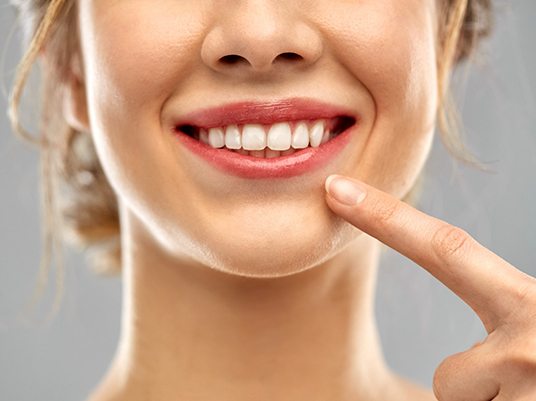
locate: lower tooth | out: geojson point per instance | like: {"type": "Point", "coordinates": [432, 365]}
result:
{"type": "Point", "coordinates": [272, 153]}
{"type": "Point", "coordinates": [256, 153]}
{"type": "Point", "coordinates": [288, 152]}
{"type": "Point", "coordinates": [265, 153]}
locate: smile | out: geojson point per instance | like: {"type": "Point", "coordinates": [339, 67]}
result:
{"type": "Point", "coordinates": [268, 141]}
{"type": "Point", "coordinates": [275, 140]}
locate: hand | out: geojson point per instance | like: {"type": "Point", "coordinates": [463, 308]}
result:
{"type": "Point", "coordinates": [503, 366]}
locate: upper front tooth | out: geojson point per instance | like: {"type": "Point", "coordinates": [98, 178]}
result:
{"type": "Point", "coordinates": [216, 137]}
{"type": "Point", "coordinates": [233, 137]}
{"type": "Point", "coordinates": [279, 136]}
{"type": "Point", "coordinates": [253, 137]}
{"type": "Point", "coordinates": [300, 137]}
{"type": "Point", "coordinates": [317, 131]}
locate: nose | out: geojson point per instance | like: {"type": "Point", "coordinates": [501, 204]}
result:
{"type": "Point", "coordinates": [254, 37]}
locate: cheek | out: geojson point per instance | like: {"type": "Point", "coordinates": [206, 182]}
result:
{"type": "Point", "coordinates": [136, 51]}
{"type": "Point", "coordinates": [135, 55]}
{"type": "Point", "coordinates": [389, 48]}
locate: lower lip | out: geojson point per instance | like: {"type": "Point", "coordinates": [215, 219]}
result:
{"type": "Point", "coordinates": [244, 166]}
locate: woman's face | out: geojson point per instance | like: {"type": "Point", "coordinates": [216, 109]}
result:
{"type": "Point", "coordinates": [149, 63]}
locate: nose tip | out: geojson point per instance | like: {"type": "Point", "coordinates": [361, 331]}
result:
{"type": "Point", "coordinates": [260, 42]}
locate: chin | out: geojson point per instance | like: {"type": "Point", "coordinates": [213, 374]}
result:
{"type": "Point", "coordinates": [277, 250]}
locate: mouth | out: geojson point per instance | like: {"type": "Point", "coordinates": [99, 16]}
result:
{"type": "Point", "coordinates": [273, 139]}
{"type": "Point", "coordinates": [276, 140]}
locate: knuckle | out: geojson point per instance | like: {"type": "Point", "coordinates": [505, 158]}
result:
{"type": "Point", "coordinates": [526, 294]}
{"type": "Point", "coordinates": [449, 241]}
{"type": "Point", "coordinates": [520, 357]}
{"type": "Point", "coordinates": [523, 301]}
{"type": "Point", "coordinates": [437, 385]}
{"type": "Point", "coordinates": [441, 378]}
{"type": "Point", "coordinates": [520, 366]}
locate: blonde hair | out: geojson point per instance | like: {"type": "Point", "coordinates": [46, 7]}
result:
{"type": "Point", "coordinates": [77, 198]}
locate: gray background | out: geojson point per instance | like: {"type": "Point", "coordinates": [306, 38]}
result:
{"type": "Point", "coordinates": [420, 320]}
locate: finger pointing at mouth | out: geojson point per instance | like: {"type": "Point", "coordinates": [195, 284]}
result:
{"type": "Point", "coordinates": [487, 283]}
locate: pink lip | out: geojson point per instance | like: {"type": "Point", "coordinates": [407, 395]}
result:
{"type": "Point", "coordinates": [234, 163]}
{"type": "Point", "coordinates": [262, 113]}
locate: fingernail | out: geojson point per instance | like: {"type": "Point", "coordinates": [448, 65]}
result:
{"type": "Point", "coordinates": [345, 191]}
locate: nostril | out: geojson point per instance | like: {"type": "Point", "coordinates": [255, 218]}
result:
{"type": "Point", "coordinates": [290, 56]}
{"type": "Point", "coordinates": [235, 58]}
{"type": "Point", "coordinates": [231, 59]}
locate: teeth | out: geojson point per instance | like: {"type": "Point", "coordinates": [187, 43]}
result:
{"type": "Point", "coordinates": [288, 152]}
{"type": "Point", "coordinates": [300, 138]}
{"type": "Point", "coordinates": [279, 136]}
{"type": "Point", "coordinates": [203, 136]}
{"type": "Point", "coordinates": [280, 139]}
{"type": "Point", "coordinates": [253, 137]}
{"type": "Point", "coordinates": [325, 137]}
{"type": "Point", "coordinates": [257, 153]}
{"type": "Point", "coordinates": [315, 136]}
{"type": "Point", "coordinates": [233, 139]}
{"type": "Point", "coordinates": [266, 153]}
{"type": "Point", "coordinates": [216, 138]}
{"type": "Point", "coordinates": [271, 153]}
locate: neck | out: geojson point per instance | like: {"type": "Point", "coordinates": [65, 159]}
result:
{"type": "Point", "coordinates": [189, 331]}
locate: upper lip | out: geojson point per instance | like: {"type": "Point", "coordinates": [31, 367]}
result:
{"type": "Point", "coordinates": [267, 112]}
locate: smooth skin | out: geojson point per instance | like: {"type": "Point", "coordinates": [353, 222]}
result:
{"type": "Point", "coordinates": [240, 289]}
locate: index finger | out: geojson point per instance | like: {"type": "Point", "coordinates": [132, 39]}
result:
{"type": "Point", "coordinates": [486, 282]}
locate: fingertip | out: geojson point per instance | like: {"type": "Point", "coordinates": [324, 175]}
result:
{"type": "Point", "coordinates": [328, 181]}
{"type": "Point", "coordinates": [345, 190]}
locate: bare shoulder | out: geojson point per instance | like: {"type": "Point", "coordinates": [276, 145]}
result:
{"type": "Point", "coordinates": [107, 390]}
{"type": "Point", "coordinates": [101, 394]}
{"type": "Point", "coordinates": [396, 388]}
{"type": "Point", "coordinates": [410, 391]}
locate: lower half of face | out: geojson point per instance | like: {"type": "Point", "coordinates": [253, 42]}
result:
{"type": "Point", "coordinates": [147, 62]}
